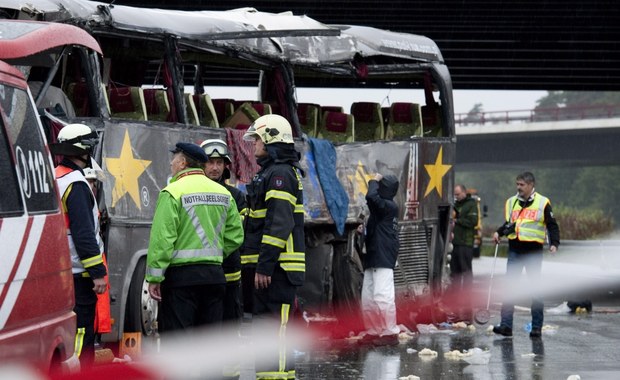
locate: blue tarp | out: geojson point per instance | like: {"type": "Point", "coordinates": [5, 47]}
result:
{"type": "Point", "coordinates": [335, 196]}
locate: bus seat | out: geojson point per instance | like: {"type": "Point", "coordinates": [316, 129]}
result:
{"type": "Point", "coordinates": [190, 107]}
{"type": "Point", "coordinates": [368, 121]}
{"type": "Point", "coordinates": [262, 108]}
{"type": "Point", "coordinates": [127, 103]}
{"type": "Point", "coordinates": [308, 115]}
{"type": "Point", "coordinates": [244, 115]}
{"type": "Point", "coordinates": [224, 108]}
{"type": "Point", "coordinates": [157, 105]}
{"type": "Point", "coordinates": [206, 110]}
{"type": "Point", "coordinates": [431, 120]}
{"type": "Point", "coordinates": [330, 109]}
{"type": "Point", "coordinates": [337, 127]}
{"type": "Point", "coordinates": [405, 121]}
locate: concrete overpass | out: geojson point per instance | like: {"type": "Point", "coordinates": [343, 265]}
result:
{"type": "Point", "coordinates": [513, 142]}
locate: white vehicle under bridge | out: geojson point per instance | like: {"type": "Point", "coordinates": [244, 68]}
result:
{"type": "Point", "coordinates": [151, 89]}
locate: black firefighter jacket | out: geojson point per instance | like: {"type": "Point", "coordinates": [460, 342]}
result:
{"type": "Point", "coordinates": [274, 227]}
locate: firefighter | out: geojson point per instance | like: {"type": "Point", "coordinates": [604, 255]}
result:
{"type": "Point", "coordinates": [216, 168]}
{"type": "Point", "coordinates": [274, 243]}
{"type": "Point", "coordinates": [103, 318]}
{"type": "Point", "coordinates": [75, 143]}
{"type": "Point", "coordinates": [195, 226]}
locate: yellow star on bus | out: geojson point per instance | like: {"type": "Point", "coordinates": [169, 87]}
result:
{"type": "Point", "coordinates": [126, 170]}
{"type": "Point", "coordinates": [360, 179]}
{"type": "Point", "coordinates": [436, 172]}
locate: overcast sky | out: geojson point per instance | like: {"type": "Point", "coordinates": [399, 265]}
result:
{"type": "Point", "coordinates": [464, 100]}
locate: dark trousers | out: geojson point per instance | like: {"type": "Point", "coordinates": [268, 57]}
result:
{"type": "Point", "coordinates": [247, 288]}
{"type": "Point", "coordinates": [461, 267]}
{"type": "Point", "coordinates": [85, 305]}
{"type": "Point", "coordinates": [184, 307]}
{"type": "Point", "coordinates": [232, 302]}
{"type": "Point", "coordinates": [273, 308]}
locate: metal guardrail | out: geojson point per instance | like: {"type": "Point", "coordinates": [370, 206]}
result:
{"type": "Point", "coordinates": [569, 243]}
{"type": "Point", "coordinates": [537, 115]}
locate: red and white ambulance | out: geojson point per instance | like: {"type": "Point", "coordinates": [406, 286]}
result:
{"type": "Point", "coordinates": [37, 323]}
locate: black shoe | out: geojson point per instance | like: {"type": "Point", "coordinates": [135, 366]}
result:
{"type": "Point", "coordinates": [502, 330]}
{"type": "Point", "coordinates": [535, 333]}
{"type": "Point", "coordinates": [386, 340]}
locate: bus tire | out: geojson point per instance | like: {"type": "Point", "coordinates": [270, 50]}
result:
{"type": "Point", "coordinates": [141, 309]}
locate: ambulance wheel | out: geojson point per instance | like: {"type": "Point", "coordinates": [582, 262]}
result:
{"type": "Point", "coordinates": [141, 310]}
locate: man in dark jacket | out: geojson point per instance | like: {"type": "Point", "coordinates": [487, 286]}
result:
{"type": "Point", "coordinates": [464, 221]}
{"type": "Point", "coordinates": [378, 299]}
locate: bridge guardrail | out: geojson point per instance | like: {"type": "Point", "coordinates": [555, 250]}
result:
{"type": "Point", "coordinates": [604, 111]}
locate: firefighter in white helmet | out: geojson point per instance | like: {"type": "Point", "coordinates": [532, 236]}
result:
{"type": "Point", "coordinates": [76, 142]}
{"type": "Point", "coordinates": [273, 254]}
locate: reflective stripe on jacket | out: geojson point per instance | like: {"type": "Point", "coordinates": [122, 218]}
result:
{"type": "Point", "coordinates": [530, 221]}
{"type": "Point", "coordinates": [196, 222]}
{"type": "Point", "coordinates": [275, 222]}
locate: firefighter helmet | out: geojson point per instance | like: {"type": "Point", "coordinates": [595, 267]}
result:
{"type": "Point", "coordinates": [216, 148]}
{"type": "Point", "coordinates": [270, 129]}
{"type": "Point", "coordinates": [75, 140]}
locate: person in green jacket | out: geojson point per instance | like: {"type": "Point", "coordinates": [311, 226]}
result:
{"type": "Point", "coordinates": [465, 219]}
{"type": "Point", "coordinates": [195, 226]}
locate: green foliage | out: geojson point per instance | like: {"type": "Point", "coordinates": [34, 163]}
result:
{"type": "Point", "coordinates": [582, 224]}
{"type": "Point", "coordinates": [577, 98]}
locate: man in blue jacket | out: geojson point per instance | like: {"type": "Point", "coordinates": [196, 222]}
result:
{"type": "Point", "coordinates": [378, 299]}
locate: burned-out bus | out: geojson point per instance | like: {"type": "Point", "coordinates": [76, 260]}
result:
{"type": "Point", "coordinates": [151, 89]}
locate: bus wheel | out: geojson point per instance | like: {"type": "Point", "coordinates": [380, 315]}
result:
{"type": "Point", "coordinates": [141, 310]}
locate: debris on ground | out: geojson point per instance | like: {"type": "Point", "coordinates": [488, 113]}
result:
{"type": "Point", "coordinates": [410, 377]}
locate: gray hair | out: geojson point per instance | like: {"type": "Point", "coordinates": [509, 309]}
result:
{"type": "Point", "coordinates": [527, 177]}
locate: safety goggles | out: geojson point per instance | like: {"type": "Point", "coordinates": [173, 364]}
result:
{"type": "Point", "coordinates": [216, 149]}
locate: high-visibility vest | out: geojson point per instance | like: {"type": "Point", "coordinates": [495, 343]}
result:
{"type": "Point", "coordinates": [65, 177]}
{"type": "Point", "coordinates": [529, 221]}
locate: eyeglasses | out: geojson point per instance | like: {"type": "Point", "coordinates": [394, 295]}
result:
{"type": "Point", "coordinates": [216, 147]}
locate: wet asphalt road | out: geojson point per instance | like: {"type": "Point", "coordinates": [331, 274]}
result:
{"type": "Point", "coordinates": [584, 345]}
{"type": "Point", "coordinates": [587, 345]}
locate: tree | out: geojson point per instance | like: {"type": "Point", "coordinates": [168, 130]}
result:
{"type": "Point", "coordinates": [475, 115]}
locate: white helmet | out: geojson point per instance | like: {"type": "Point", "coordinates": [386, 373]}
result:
{"type": "Point", "coordinates": [271, 129]}
{"type": "Point", "coordinates": [216, 148]}
{"type": "Point", "coordinates": [75, 140]}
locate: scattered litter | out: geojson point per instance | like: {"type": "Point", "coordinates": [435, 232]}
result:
{"type": "Point", "coordinates": [530, 355]}
{"type": "Point", "coordinates": [490, 329]}
{"type": "Point", "coordinates": [125, 359]}
{"type": "Point", "coordinates": [472, 327]}
{"type": "Point", "coordinates": [454, 355]}
{"type": "Point", "coordinates": [410, 377]}
{"type": "Point", "coordinates": [427, 352]}
{"type": "Point", "coordinates": [574, 377]}
{"type": "Point", "coordinates": [446, 328]}
{"type": "Point", "coordinates": [460, 325]}
{"type": "Point", "coordinates": [560, 309]}
{"type": "Point", "coordinates": [411, 351]}
{"type": "Point", "coordinates": [549, 329]}
{"type": "Point", "coordinates": [426, 329]}
{"type": "Point", "coordinates": [477, 356]}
